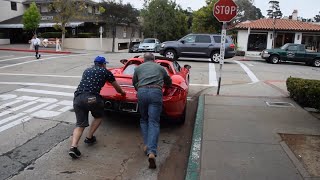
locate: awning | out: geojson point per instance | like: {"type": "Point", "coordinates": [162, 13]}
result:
{"type": "Point", "coordinates": [42, 25]}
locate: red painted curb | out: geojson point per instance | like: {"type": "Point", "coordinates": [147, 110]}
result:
{"type": "Point", "coordinates": [43, 51]}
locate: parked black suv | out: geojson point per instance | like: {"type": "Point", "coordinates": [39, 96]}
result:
{"type": "Point", "coordinates": [198, 45]}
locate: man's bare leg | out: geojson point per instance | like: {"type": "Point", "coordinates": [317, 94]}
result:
{"type": "Point", "coordinates": [94, 126]}
{"type": "Point", "coordinates": [77, 132]}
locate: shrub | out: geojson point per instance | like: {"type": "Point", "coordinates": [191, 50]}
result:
{"type": "Point", "coordinates": [87, 35]}
{"type": "Point", "coordinates": [306, 92]}
{"type": "Point", "coordinates": [51, 35]}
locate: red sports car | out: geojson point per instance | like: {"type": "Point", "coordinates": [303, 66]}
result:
{"type": "Point", "coordinates": [174, 97]}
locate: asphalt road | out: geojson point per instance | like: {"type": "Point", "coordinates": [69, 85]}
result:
{"type": "Point", "coordinates": [36, 118]}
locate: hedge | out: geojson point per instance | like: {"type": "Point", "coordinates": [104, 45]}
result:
{"type": "Point", "coordinates": [306, 92]}
{"type": "Point", "coordinates": [87, 35]}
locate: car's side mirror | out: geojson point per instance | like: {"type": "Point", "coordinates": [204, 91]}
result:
{"type": "Point", "coordinates": [182, 41]}
{"type": "Point", "coordinates": [187, 66]}
{"type": "Point", "coordinates": [124, 61]}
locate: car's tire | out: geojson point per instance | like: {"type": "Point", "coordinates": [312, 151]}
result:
{"type": "Point", "coordinates": [274, 59]}
{"type": "Point", "coordinates": [316, 63]}
{"type": "Point", "coordinates": [215, 57]}
{"type": "Point", "coordinates": [170, 53]}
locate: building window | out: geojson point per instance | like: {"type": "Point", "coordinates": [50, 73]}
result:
{"type": "Point", "coordinates": [257, 41]}
{"type": "Point", "coordinates": [14, 6]}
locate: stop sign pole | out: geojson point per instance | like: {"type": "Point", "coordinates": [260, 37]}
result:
{"type": "Point", "coordinates": [224, 11]}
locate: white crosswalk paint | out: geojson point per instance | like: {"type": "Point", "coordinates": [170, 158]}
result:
{"type": "Point", "coordinates": [36, 108]}
{"type": "Point", "coordinates": [212, 75]}
{"type": "Point", "coordinates": [9, 104]}
{"type": "Point", "coordinates": [14, 123]}
{"type": "Point", "coordinates": [45, 92]}
{"type": "Point", "coordinates": [40, 84]}
{"type": "Point", "coordinates": [251, 75]}
{"type": "Point", "coordinates": [24, 57]}
{"type": "Point", "coordinates": [8, 119]}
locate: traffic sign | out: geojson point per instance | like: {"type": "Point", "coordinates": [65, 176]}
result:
{"type": "Point", "coordinates": [225, 10]}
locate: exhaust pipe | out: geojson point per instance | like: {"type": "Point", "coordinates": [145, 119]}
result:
{"type": "Point", "coordinates": [108, 105]}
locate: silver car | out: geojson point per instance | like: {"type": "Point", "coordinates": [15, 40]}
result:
{"type": "Point", "coordinates": [149, 45]}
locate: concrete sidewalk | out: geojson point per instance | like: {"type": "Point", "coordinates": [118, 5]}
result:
{"type": "Point", "coordinates": [240, 136]}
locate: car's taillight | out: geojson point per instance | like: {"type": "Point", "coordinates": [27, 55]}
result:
{"type": "Point", "coordinates": [172, 91]}
{"type": "Point", "coordinates": [232, 46]}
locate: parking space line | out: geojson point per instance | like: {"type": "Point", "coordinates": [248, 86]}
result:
{"type": "Point", "coordinates": [12, 65]}
{"type": "Point", "coordinates": [251, 75]}
{"type": "Point", "coordinates": [212, 75]}
{"type": "Point", "coordinates": [45, 92]}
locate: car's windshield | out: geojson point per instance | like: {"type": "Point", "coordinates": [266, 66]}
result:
{"type": "Point", "coordinates": [284, 46]}
{"type": "Point", "coordinates": [149, 41]}
{"type": "Point", "coordinates": [130, 69]}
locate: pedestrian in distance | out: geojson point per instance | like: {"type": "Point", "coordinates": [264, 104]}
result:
{"type": "Point", "coordinates": [148, 79]}
{"type": "Point", "coordinates": [87, 99]}
{"type": "Point", "coordinates": [36, 43]}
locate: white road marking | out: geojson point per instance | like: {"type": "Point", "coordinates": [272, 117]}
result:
{"type": "Point", "coordinates": [37, 107]}
{"type": "Point", "coordinates": [65, 103]}
{"type": "Point", "coordinates": [204, 85]}
{"type": "Point", "coordinates": [249, 64]}
{"type": "Point", "coordinates": [40, 84]}
{"type": "Point", "coordinates": [253, 77]}
{"type": "Point", "coordinates": [45, 92]}
{"type": "Point", "coordinates": [14, 123]}
{"type": "Point", "coordinates": [28, 98]}
{"type": "Point", "coordinates": [22, 106]}
{"type": "Point", "coordinates": [7, 96]}
{"type": "Point", "coordinates": [10, 103]}
{"type": "Point", "coordinates": [24, 57]}
{"type": "Point", "coordinates": [212, 75]}
{"type": "Point", "coordinates": [51, 107]}
{"type": "Point", "coordinates": [8, 119]}
{"type": "Point", "coordinates": [6, 56]}
{"type": "Point", "coordinates": [39, 75]}
{"type": "Point", "coordinates": [65, 109]}
{"type": "Point", "coordinates": [27, 62]}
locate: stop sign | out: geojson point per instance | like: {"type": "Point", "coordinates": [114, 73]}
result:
{"type": "Point", "coordinates": [225, 10]}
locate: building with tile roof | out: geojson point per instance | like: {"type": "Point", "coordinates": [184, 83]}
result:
{"type": "Point", "coordinates": [257, 35]}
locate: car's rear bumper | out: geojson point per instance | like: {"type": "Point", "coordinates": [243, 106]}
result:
{"type": "Point", "coordinates": [229, 54]}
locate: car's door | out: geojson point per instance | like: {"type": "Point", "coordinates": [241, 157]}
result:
{"type": "Point", "coordinates": [291, 52]}
{"type": "Point", "coordinates": [158, 44]}
{"type": "Point", "coordinates": [203, 42]}
{"type": "Point", "coordinates": [187, 44]}
{"type": "Point", "coordinates": [300, 55]}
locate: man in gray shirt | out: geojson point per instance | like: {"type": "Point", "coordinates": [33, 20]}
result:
{"type": "Point", "coordinates": [148, 79]}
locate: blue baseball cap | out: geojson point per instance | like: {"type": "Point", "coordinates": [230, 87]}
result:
{"type": "Point", "coordinates": [100, 60]}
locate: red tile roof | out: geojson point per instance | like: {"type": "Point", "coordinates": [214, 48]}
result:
{"type": "Point", "coordinates": [281, 24]}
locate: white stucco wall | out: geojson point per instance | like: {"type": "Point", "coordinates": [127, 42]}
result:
{"type": "Point", "coordinates": [4, 41]}
{"type": "Point", "coordinates": [93, 43]}
{"type": "Point", "coordinates": [270, 40]}
{"type": "Point", "coordinates": [298, 38]}
{"type": "Point", "coordinates": [242, 40]}
{"type": "Point", "coordinates": [7, 13]}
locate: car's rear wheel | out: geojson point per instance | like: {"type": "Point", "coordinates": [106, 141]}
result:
{"type": "Point", "coordinates": [171, 54]}
{"type": "Point", "coordinates": [274, 59]}
{"type": "Point", "coordinates": [215, 57]}
{"type": "Point", "coordinates": [316, 63]}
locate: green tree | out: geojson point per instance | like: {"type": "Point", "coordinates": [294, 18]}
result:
{"type": "Point", "coordinates": [164, 19]}
{"type": "Point", "coordinates": [31, 18]}
{"type": "Point", "coordinates": [117, 13]}
{"type": "Point", "coordinates": [65, 11]}
{"type": "Point", "coordinates": [247, 11]}
{"type": "Point", "coordinates": [204, 21]}
{"type": "Point", "coordinates": [274, 11]}
{"type": "Point", "coordinates": [317, 17]}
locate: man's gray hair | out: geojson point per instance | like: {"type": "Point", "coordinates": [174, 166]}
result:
{"type": "Point", "coordinates": [148, 57]}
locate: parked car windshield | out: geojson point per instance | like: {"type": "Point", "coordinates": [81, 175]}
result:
{"type": "Point", "coordinates": [284, 46]}
{"type": "Point", "coordinates": [149, 41]}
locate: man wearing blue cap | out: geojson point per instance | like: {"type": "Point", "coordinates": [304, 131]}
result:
{"type": "Point", "coordinates": [87, 98]}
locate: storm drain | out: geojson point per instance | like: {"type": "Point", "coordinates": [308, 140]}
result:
{"type": "Point", "coordinates": [279, 104]}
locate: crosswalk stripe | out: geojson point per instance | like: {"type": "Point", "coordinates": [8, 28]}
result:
{"type": "Point", "coordinates": [9, 104]}
{"type": "Point", "coordinates": [14, 123]}
{"type": "Point", "coordinates": [36, 108]}
{"type": "Point", "coordinates": [45, 92]}
{"type": "Point", "coordinates": [3, 121]}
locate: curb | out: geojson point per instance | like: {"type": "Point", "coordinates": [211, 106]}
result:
{"type": "Point", "coordinates": [40, 51]}
{"type": "Point", "coordinates": [193, 169]}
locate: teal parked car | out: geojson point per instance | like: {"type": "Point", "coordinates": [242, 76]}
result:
{"type": "Point", "coordinates": [291, 52]}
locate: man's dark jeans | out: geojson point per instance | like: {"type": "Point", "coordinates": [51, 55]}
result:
{"type": "Point", "coordinates": [36, 48]}
{"type": "Point", "coordinates": [150, 107]}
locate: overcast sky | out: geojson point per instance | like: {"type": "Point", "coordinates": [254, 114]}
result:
{"type": "Point", "coordinates": [306, 8]}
